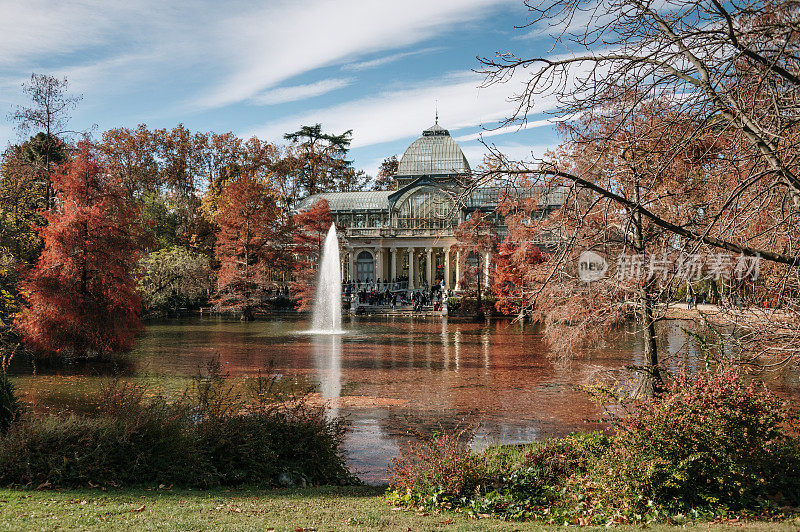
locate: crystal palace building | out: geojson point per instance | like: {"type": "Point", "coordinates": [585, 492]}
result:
{"type": "Point", "coordinates": [407, 234]}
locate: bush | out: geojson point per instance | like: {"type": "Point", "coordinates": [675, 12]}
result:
{"type": "Point", "coordinates": [9, 405]}
{"type": "Point", "coordinates": [712, 441]}
{"type": "Point", "coordinates": [211, 437]}
{"type": "Point", "coordinates": [712, 445]}
{"type": "Point", "coordinates": [440, 466]}
{"type": "Point", "coordinates": [153, 444]}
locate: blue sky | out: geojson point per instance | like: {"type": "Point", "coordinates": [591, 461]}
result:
{"type": "Point", "coordinates": [265, 68]}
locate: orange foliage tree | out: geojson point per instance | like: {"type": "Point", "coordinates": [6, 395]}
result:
{"type": "Point", "coordinates": [81, 295]}
{"type": "Point", "coordinates": [250, 243]}
{"type": "Point", "coordinates": [509, 282]}
{"type": "Point", "coordinates": [310, 229]}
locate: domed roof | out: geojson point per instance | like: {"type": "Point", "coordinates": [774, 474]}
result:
{"type": "Point", "coordinates": [434, 153]}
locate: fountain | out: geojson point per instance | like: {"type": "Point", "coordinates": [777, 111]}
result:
{"type": "Point", "coordinates": [327, 314]}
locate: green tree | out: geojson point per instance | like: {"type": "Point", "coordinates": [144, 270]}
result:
{"type": "Point", "coordinates": [323, 160]}
{"type": "Point", "coordinates": [174, 277]}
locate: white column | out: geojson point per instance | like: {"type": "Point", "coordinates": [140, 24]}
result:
{"type": "Point", "coordinates": [352, 265]}
{"type": "Point", "coordinates": [487, 262]}
{"type": "Point", "coordinates": [447, 268]}
{"type": "Point", "coordinates": [411, 268]}
{"type": "Point", "coordinates": [379, 264]}
{"type": "Point", "coordinates": [458, 270]}
{"type": "Point", "coordinates": [394, 264]}
{"type": "Point", "coordinates": [429, 266]}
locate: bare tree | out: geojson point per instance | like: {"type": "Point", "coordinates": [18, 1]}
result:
{"type": "Point", "coordinates": [732, 68]}
{"type": "Point", "coordinates": [681, 134]}
{"type": "Point", "coordinates": [48, 115]}
{"type": "Point", "coordinates": [50, 106]}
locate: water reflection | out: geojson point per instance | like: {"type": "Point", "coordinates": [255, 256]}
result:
{"type": "Point", "coordinates": [328, 365]}
{"type": "Point", "coordinates": [394, 373]}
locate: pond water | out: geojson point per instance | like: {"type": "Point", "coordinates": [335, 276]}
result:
{"type": "Point", "coordinates": [391, 375]}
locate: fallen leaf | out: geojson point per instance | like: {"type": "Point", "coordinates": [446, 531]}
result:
{"type": "Point", "coordinates": [139, 509]}
{"type": "Point", "coordinates": [447, 522]}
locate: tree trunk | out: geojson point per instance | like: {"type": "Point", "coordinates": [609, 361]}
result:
{"type": "Point", "coordinates": [650, 381]}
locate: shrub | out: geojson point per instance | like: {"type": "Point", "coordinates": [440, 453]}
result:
{"type": "Point", "coordinates": [441, 466]}
{"type": "Point", "coordinates": [212, 436]}
{"type": "Point", "coordinates": [9, 405]}
{"type": "Point", "coordinates": [712, 445]}
{"type": "Point", "coordinates": [71, 450]}
{"type": "Point", "coordinates": [713, 441]}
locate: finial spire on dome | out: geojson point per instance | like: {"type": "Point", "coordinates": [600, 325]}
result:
{"type": "Point", "coordinates": [436, 106]}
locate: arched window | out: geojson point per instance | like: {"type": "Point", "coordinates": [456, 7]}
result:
{"type": "Point", "coordinates": [365, 267]}
{"type": "Point", "coordinates": [429, 208]}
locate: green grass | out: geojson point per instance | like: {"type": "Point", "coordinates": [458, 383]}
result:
{"type": "Point", "coordinates": [321, 509]}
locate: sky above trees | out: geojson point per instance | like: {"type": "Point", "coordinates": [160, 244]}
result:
{"type": "Point", "coordinates": [266, 68]}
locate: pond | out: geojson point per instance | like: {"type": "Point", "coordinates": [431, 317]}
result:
{"type": "Point", "coordinates": [394, 374]}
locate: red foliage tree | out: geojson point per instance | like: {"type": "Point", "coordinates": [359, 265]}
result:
{"type": "Point", "coordinates": [251, 242]}
{"type": "Point", "coordinates": [310, 229]}
{"type": "Point", "coordinates": [511, 263]}
{"type": "Point", "coordinates": [81, 295]}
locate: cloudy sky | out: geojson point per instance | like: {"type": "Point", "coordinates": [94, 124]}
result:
{"type": "Point", "coordinates": [266, 68]}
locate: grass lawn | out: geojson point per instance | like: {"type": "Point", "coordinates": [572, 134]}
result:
{"type": "Point", "coordinates": [321, 509]}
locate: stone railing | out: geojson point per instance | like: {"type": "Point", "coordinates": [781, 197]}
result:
{"type": "Point", "coordinates": [393, 232]}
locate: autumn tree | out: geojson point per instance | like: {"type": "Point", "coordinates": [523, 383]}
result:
{"type": "Point", "coordinates": [81, 295]}
{"type": "Point", "coordinates": [251, 241]}
{"type": "Point", "coordinates": [385, 180]}
{"type": "Point", "coordinates": [22, 197]}
{"type": "Point", "coordinates": [131, 155]}
{"type": "Point", "coordinates": [310, 228]}
{"type": "Point", "coordinates": [50, 106]}
{"type": "Point", "coordinates": [715, 171]}
{"type": "Point", "coordinates": [477, 238]}
{"type": "Point", "coordinates": [512, 263]}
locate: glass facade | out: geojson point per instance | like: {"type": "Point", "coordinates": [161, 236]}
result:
{"type": "Point", "coordinates": [429, 208]}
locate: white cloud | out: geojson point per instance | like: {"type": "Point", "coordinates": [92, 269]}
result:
{"type": "Point", "coordinates": [514, 151]}
{"type": "Point", "coordinates": [300, 92]}
{"type": "Point", "coordinates": [278, 42]}
{"type": "Point", "coordinates": [402, 114]}
{"type": "Point", "coordinates": [512, 129]}
{"type": "Point", "coordinates": [43, 28]}
{"type": "Point", "coordinates": [385, 60]}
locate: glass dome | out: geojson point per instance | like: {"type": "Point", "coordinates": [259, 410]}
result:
{"type": "Point", "coordinates": [434, 153]}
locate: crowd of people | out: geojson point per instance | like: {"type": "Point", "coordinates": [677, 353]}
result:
{"type": "Point", "coordinates": [394, 293]}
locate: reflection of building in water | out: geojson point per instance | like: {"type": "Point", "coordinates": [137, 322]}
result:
{"type": "Point", "coordinates": [408, 233]}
